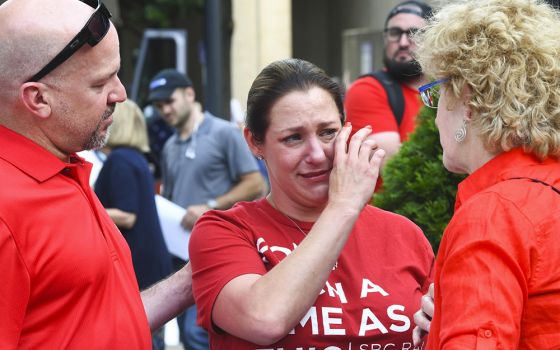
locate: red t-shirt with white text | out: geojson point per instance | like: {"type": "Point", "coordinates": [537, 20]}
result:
{"type": "Point", "coordinates": [368, 300]}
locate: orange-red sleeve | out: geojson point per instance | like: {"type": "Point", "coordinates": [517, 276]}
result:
{"type": "Point", "coordinates": [481, 277]}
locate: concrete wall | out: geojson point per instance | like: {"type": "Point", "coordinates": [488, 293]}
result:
{"type": "Point", "coordinates": [318, 27]}
{"type": "Point", "coordinates": [266, 30]}
{"type": "Point", "coordinates": [261, 34]}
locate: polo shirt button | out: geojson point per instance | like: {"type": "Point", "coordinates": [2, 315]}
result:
{"type": "Point", "coordinates": [488, 333]}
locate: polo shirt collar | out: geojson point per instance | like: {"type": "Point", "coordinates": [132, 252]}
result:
{"type": "Point", "coordinates": [31, 158]}
{"type": "Point", "coordinates": [203, 128]}
{"type": "Point", "coordinates": [206, 123]}
{"type": "Point", "coordinates": [504, 166]}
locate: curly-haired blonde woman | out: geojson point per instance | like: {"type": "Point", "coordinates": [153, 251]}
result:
{"type": "Point", "coordinates": [497, 70]}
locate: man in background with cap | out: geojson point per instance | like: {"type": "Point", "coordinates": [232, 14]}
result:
{"type": "Point", "coordinates": [367, 100]}
{"type": "Point", "coordinates": [205, 165]}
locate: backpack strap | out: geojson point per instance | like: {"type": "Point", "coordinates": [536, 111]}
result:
{"type": "Point", "coordinates": [536, 181]}
{"type": "Point", "coordinates": [394, 93]}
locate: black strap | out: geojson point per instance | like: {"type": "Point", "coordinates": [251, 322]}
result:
{"type": "Point", "coordinates": [394, 93]}
{"type": "Point", "coordinates": [536, 181]}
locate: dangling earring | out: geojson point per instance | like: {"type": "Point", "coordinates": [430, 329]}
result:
{"type": "Point", "coordinates": [259, 157]}
{"type": "Point", "coordinates": [461, 133]}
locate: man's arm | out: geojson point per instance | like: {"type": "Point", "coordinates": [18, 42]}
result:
{"type": "Point", "coordinates": [366, 103]}
{"type": "Point", "coordinates": [121, 218]}
{"type": "Point", "coordinates": [168, 298]}
{"type": "Point", "coordinates": [389, 141]}
{"type": "Point", "coordinates": [249, 187]}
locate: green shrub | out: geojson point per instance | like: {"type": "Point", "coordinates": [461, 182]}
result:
{"type": "Point", "coordinates": [415, 183]}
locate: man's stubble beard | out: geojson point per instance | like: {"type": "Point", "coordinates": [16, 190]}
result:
{"type": "Point", "coordinates": [96, 140]}
{"type": "Point", "coordinates": [183, 119]}
{"type": "Point", "coordinates": [402, 71]}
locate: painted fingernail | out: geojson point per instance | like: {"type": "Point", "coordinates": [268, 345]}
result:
{"type": "Point", "coordinates": [348, 124]}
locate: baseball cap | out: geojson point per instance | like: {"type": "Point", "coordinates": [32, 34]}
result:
{"type": "Point", "coordinates": [165, 82]}
{"type": "Point", "coordinates": [418, 8]}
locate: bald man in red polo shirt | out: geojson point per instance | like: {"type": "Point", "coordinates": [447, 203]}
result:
{"type": "Point", "coordinates": [67, 271]}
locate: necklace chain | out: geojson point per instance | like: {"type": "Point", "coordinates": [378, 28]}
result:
{"type": "Point", "coordinates": [305, 234]}
{"type": "Point", "coordinates": [293, 222]}
{"type": "Point", "coordinates": [271, 201]}
{"type": "Point", "coordinates": [297, 226]}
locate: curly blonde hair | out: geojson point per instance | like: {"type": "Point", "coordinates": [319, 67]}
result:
{"type": "Point", "coordinates": [508, 53]}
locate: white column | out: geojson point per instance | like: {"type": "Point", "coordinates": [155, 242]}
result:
{"type": "Point", "coordinates": [262, 33]}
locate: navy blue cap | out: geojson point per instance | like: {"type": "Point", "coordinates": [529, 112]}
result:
{"type": "Point", "coordinates": [165, 82]}
{"type": "Point", "coordinates": [415, 7]}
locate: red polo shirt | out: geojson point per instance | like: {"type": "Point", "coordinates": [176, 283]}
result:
{"type": "Point", "coordinates": [498, 267]}
{"type": "Point", "coordinates": [68, 280]}
{"type": "Point", "coordinates": [366, 103]}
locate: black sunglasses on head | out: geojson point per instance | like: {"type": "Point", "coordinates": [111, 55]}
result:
{"type": "Point", "coordinates": [92, 33]}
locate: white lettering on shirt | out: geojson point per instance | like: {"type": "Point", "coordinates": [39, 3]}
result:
{"type": "Point", "coordinates": [365, 326]}
{"type": "Point", "coordinates": [328, 321]}
{"type": "Point", "coordinates": [398, 317]}
{"type": "Point", "coordinates": [339, 291]}
{"type": "Point", "coordinates": [370, 287]}
{"type": "Point", "coordinates": [275, 248]}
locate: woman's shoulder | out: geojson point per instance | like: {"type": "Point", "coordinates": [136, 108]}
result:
{"type": "Point", "coordinates": [126, 157]}
{"type": "Point", "coordinates": [240, 210]}
{"type": "Point", "coordinates": [238, 217]}
{"type": "Point", "coordinates": [399, 227]}
{"type": "Point", "coordinates": [124, 153]}
{"type": "Point", "coordinates": [231, 227]}
{"type": "Point", "coordinates": [391, 230]}
{"type": "Point", "coordinates": [387, 218]}
{"type": "Point", "coordinates": [520, 197]}
{"type": "Point", "coordinates": [510, 214]}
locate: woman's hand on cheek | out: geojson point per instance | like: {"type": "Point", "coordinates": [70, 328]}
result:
{"type": "Point", "coordinates": [355, 168]}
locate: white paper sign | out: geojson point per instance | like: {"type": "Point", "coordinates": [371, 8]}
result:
{"type": "Point", "coordinates": [176, 237]}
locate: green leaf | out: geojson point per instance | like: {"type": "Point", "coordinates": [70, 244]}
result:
{"type": "Point", "coordinates": [415, 183]}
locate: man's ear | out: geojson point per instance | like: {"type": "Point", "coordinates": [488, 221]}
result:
{"type": "Point", "coordinates": [190, 93]}
{"type": "Point", "coordinates": [35, 98]}
{"type": "Point", "coordinates": [254, 146]}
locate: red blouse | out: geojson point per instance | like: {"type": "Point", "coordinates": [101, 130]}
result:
{"type": "Point", "coordinates": [498, 267]}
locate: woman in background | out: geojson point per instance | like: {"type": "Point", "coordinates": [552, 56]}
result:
{"type": "Point", "coordinates": [125, 187]}
{"type": "Point", "coordinates": [497, 65]}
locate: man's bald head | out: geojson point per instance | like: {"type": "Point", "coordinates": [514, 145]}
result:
{"type": "Point", "coordinates": [32, 32]}
{"type": "Point", "coordinates": [72, 104]}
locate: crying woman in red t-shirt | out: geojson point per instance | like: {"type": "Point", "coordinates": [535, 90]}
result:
{"type": "Point", "coordinates": [312, 265]}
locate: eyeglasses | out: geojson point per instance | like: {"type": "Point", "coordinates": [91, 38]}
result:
{"type": "Point", "coordinates": [394, 34]}
{"type": "Point", "coordinates": [430, 93]}
{"type": "Point", "coordinates": [92, 33]}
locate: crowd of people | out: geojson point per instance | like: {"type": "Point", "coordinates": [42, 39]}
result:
{"type": "Point", "coordinates": [305, 262]}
